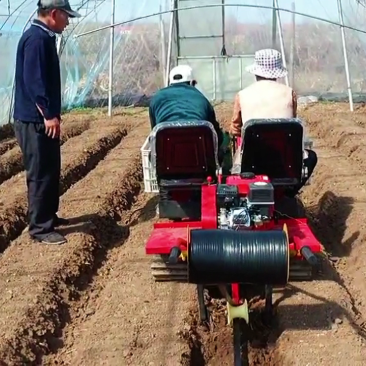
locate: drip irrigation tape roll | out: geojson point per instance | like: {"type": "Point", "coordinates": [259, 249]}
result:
{"type": "Point", "coordinates": [224, 256]}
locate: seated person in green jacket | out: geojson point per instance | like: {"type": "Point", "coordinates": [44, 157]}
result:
{"type": "Point", "coordinates": [182, 101]}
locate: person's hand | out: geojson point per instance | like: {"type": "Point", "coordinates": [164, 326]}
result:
{"type": "Point", "coordinates": [52, 127]}
{"type": "Point", "coordinates": [235, 130]}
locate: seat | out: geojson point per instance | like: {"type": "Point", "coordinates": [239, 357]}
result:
{"type": "Point", "coordinates": [186, 154]}
{"type": "Point", "coordinates": [274, 147]}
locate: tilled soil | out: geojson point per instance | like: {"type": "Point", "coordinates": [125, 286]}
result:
{"type": "Point", "coordinates": [6, 132]}
{"type": "Point", "coordinates": [7, 145]}
{"type": "Point", "coordinates": [320, 322]}
{"type": "Point", "coordinates": [93, 301]}
{"type": "Point", "coordinates": [11, 160]}
{"type": "Point", "coordinates": [79, 156]}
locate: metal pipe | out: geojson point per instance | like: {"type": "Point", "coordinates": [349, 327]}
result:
{"type": "Point", "coordinates": [214, 57]}
{"type": "Point", "coordinates": [59, 44]}
{"type": "Point", "coordinates": [170, 43]}
{"type": "Point", "coordinates": [199, 37]}
{"type": "Point", "coordinates": [282, 45]}
{"type": "Point", "coordinates": [346, 66]}
{"type": "Point", "coordinates": [72, 27]}
{"type": "Point", "coordinates": [223, 24]}
{"type": "Point", "coordinates": [111, 58]}
{"type": "Point", "coordinates": [214, 72]}
{"type": "Point", "coordinates": [214, 6]}
{"type": "Point", "coordinates": [177, 30]}
{"type": "Point", "coordinates": [13, 12]}
{"type": "Point", "coordinates": [292, 48]}
{"type": "Point", "coordinates": [163, 50]}
{"type": "Point", "coordinates": [274, 25]}
{"type": "Point", "coordinates": [241, 73]}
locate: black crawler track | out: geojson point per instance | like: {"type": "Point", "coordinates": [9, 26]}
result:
{"type": "Point", "coordinates": [162, 270]}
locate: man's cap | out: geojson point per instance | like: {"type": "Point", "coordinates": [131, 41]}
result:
{"type": "Point", "coordinates": [181, 74]}
{"type": "Point", "coordinates": [58, 4]}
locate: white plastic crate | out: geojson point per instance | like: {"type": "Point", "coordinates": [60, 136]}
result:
{"type": "Point", "coordinates": [150, 183]}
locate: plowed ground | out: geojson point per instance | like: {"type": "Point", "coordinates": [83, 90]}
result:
{"type": "Point", "coordinates": [93, 301]}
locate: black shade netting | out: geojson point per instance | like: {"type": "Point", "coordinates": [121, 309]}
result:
{"type": "Point", "coordinates": [224, 256]}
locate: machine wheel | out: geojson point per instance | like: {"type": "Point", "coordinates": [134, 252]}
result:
{"type": "Point", "coordinates": [201, 304]}
{"type": "Point", "coordinates": [241, 354]}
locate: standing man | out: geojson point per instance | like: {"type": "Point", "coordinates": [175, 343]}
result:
{"type": "Point", "coordinates": [37, 116]}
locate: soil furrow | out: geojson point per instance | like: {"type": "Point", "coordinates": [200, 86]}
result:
{"type": "Point", "coordinates": [147, 323]}
{"type": "Point", "coordinates": [80, 156]}
{"type": "Point", "coordinates": [336, 209]}
{"type": "Point", "coordinates": [7, 145]}
{"type": "Point", "coordinates": [305, 320]}
{"type": "Point", "coordinates": [322, 316]}
{"type": "Point", "coordinates": [335, 218]}
{"type": "Point", "coordinates": [11, 162]}
{"type": "Point", "coordinates": [347, 137]}
{"type": "Point", "coordinates": [334, 318]}
{"type": "Point", "coordinates": [93, 301]}
{"type": "Point", "coordinates": [35, 318]}
{"type": "Point", "coordinates": [6, 131]}
{"type": "Point", "coordinates": [154, 338]}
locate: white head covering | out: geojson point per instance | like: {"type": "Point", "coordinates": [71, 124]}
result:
{"type": "Point", "coordinates": [268, 64]}
{"type": "Point", "coordinates": [181, 74]}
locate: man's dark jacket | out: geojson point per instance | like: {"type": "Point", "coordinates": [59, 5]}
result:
{"type": "Point", "coordinates": [37, 75]}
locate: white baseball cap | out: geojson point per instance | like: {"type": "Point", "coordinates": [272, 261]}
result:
{"type": "Point", "coordinates": [181, 74]}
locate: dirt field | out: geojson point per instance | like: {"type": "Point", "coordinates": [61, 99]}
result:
{"type": "Point", "coordinates": [93, 302]}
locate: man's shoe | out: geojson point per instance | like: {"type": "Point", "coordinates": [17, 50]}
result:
{"type": "Point", "coordinates": [61, 222]}
{"type": "Point", "coordinates": [53, 238]}
{"type": "Point", "coordinates": [58, 222]}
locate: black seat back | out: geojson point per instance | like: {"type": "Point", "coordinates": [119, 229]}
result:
{"type": "Point", "coordinates": [185, 150]}
{"type": "Point", "coordinates": [274, 147]}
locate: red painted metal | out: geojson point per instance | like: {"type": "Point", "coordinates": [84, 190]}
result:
{"type": "Point", "coordinates": [167, 235]}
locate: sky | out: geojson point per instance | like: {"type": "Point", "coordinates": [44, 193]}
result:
{"type": "Point", "coordinates": [128, 9]}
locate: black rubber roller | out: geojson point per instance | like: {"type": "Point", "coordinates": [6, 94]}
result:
{"type": "Point", "coordinates": [225, 256]}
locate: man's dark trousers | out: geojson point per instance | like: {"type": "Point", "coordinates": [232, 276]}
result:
{"type": "Point", "coordinates": [42, 162]}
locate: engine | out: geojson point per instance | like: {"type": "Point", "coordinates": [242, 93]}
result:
{"type": "Point", "coordinates": [244, 206]}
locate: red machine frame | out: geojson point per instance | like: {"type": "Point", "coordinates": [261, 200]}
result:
{"type": "Point", "coordinates": [174, 234]}
{"type": "Point", "coordinates": [168, 235]}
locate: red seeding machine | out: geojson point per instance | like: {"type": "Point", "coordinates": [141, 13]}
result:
{"type": "Point", "coordinates": [237, 232]}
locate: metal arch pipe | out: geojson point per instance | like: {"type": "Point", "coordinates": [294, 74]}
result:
{"type": "Point", "coordinates": [111, 58]}
{"type": "Point", "coordinates": [280, 34]}
{"type": "Point", "coordinates": [215, 6]}
{"type": "Point", "coordinates": [71, 29]}
{"type": "Point", "coordinates": [170, 43]}
{"type": "Point", "coordinates": [345, 54]}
